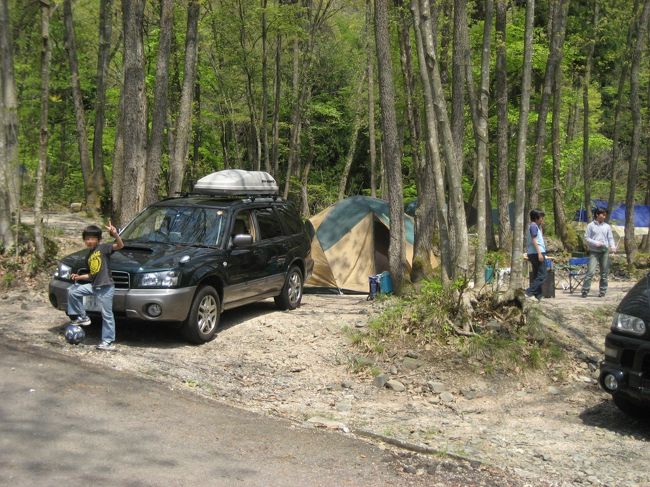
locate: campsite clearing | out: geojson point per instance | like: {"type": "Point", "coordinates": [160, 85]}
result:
{"type": "Point", "coordinates": [300, 365]}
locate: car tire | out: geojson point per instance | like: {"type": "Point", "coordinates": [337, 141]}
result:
{"type": "Point", "coordinates": [291, 294]}
{"type": "Point", "coordinates": [636, 409]}
{"type": "Point", "coordinates": [203, 320]}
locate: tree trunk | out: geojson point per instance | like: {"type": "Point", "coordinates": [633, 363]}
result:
{"type": "Point", "coordinates": [558, 193]}
{"type": "Point", "coordinates": [277, 90]}
{"type": "Point", "coordinates": [304, 179]}
{"type": "Point", "coordinates": [412, 115]}
{"type": "Point", "coordinates": [9, 96]}
{"type": "Point", "coordinates": [118, 167]}
{"type": "Point", "coordinates": [103, 56]}
{"type": "Point", "coordinates": [482, 146]}
{"type": "Point", "coordinates": [254, 140]}
{"type": "Point", "coordinates": [184, 120]}
{"type": "Point", "coordinates": [624, 66]}
{"type": "Point", "coordinates": [458, 77]}
{"type": "Point", "coordinates": [458, 228]}
{"type": "Point", "coordinates": [424, 42]}
{"type": "Point", "coordinates": [503, 180]}
{"type": "Point", "coordinates": [558, 14]}
{"type": "Point", "coordinates": [134, 125]}
{"type": "Point", "coordinates": [159, 116]}
{"type": "Point", "coordinates": [586, 164]}
{"type": "Point", "coordinates": [8, 134]}
{"type": "Point", "coordinates": [354, 134]}
{"type": "Point", "coordinates": [516, 264]}
{"type": "Point", "coordinates": [265, 91]}
{"type": "Point", "coordinates": [93, 202]}
{"type": "Point", "coordinates": [642, 25]}
{"type": "Point", "coordinates": [46, 56]}
{"type": "Point", "coordinates": [396, 248]}
{"type": "Point", "coordinates": [371, 105]}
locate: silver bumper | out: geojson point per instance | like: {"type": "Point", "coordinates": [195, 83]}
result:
{"type": "Point", "coordinates": [133, 303]}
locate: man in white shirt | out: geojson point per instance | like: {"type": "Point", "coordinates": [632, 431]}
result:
{"type": "Point", "coordinates": [600, 241]}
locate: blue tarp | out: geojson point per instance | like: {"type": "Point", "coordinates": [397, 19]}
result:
{"type": "Point", "coordinates": [617, 217]}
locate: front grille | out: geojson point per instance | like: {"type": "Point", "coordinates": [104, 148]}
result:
{"type": "Point", "coordinates": [121, 279]}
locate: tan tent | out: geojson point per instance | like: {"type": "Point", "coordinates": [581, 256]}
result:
{"type": "Point", "coordinates": [351, 243]}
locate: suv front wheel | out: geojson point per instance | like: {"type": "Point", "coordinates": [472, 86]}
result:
{"type": "Point", "coordinates": [291, 293]}
{"type": "Point", "coordinates": [202, 323]}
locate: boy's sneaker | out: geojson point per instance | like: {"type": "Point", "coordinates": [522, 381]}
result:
{"type": "Point", "coordinates": [583, 294]}
{"type": "Point", "coordinates": [107, 346]}
{"type": "Point", "coordinates": [601, 294]}
{"type": "Point", "coordinates": [85, 321]}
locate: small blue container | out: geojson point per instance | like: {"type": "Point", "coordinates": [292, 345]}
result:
{"type": "Point", "coordinates": [489, 274]}
{"type": "Point", "coordinates": [385, 283]}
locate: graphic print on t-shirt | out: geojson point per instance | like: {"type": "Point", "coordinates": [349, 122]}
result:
{"type": "Point", "coordinates": [95, 262]}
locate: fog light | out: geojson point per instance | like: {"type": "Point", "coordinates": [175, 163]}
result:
{"type": "Point", "coordinates": [610, 382]}
{"type": "Point", "coordinates": [154, 310]}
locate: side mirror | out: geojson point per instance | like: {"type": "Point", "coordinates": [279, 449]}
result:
{"type": "Point", "coordinates": [242, 240]}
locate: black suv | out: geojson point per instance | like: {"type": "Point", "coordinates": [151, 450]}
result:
{"type": "Point", "coordinates": [187, 259]}
{"type": "Point", "coordinates": [625, 372]}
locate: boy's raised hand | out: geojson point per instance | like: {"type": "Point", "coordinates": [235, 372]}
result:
{"type": "Point", "coordinates": [111, 229]}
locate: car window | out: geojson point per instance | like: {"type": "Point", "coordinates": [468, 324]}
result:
{"type": "Point", "coordinates": [177, 225]}
{"type": "Point", "coordinates": [268, 223]}
{"type": "Point", "coordinates": [291, 219]}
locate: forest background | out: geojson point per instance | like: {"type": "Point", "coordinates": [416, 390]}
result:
{"type": "Point", "coordinates": [465, 105]}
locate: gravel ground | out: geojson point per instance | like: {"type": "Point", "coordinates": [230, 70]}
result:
{"type": "Point", "coordinates": [515, 430]}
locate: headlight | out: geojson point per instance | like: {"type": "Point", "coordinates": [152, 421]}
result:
{"type": "Point", "coordinates": [63, 271]}
{"type": "Point", "coordinates": [628, 324]}
{"type": "Point", "coordinates": [159, 279]}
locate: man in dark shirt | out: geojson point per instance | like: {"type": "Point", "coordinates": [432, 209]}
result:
{"type": "Point", "coordinates": [99, 283]}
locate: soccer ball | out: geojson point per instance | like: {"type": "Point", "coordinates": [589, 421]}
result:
{"type": "Point", "coordinates": [74, 334]}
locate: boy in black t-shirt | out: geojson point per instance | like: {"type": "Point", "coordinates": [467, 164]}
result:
{"type": "Point", "coordinates": [100, 283]}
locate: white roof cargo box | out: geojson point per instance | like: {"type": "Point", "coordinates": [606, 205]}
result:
{"type": "Point", "coordinates": [237, 182]}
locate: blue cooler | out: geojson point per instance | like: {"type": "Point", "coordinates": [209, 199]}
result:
{"type": "Point", "coordinates": [385, 283]}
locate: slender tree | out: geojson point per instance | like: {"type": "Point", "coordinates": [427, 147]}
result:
{"type": "Point", "coordinates": [183, 129]}
{"type": "Point", "coordinates": [558, 14]}
{"type": "Point", "coordinates": [501, 99]}
{"type": "Point", "coordinates": [424, 44]}
{"type": "Point", "coordinates": [586, 162]}
{"type": "Point", "coordinates": [458, 223]}
{"type": "Point", "coordinates": [9, 150]}
{"type": "Point", "coordinates": [393, 169]}
{"type": "Point", "coordinates": [520, 180]}
{"type": "Point", "coordinates": [93, 195]}
{"type": "Point", "coordinates": [46, 56]}
{"type": "Point", "coordinates": [481, 130]}
{"type": "Point", "coordinates": [103, 57]}
{"type": "Point", "coordinates": [159, 116]}
{"type": "Point", "coordinates": [371, 104]}
{"type": "Point", "coordinates": [623, 66]}
{"type": "Point", "coordinates": [354, 135]}
{"type": "Point", "coordinates": [558, 193]}
{"type": "Point", "coordinates": [639, 46]}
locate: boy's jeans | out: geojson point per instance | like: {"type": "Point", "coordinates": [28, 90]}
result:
{"type": "Point", "coordinates": [104, 297]}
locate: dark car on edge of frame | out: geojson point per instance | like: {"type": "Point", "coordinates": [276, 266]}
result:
{"type": "Point", "coordinates": [625, 371]}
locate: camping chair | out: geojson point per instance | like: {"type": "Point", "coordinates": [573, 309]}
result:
{"type": "Point", "coordinates": [576, 270]}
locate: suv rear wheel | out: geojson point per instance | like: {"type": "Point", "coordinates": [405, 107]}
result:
{"type": "Point", "coordinates": [203, 320]}
{"type": "Point", "coordinates": [291, 293]}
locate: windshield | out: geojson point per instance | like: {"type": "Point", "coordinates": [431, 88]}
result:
{"type": "Point", "coordinates": [177, 225]}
